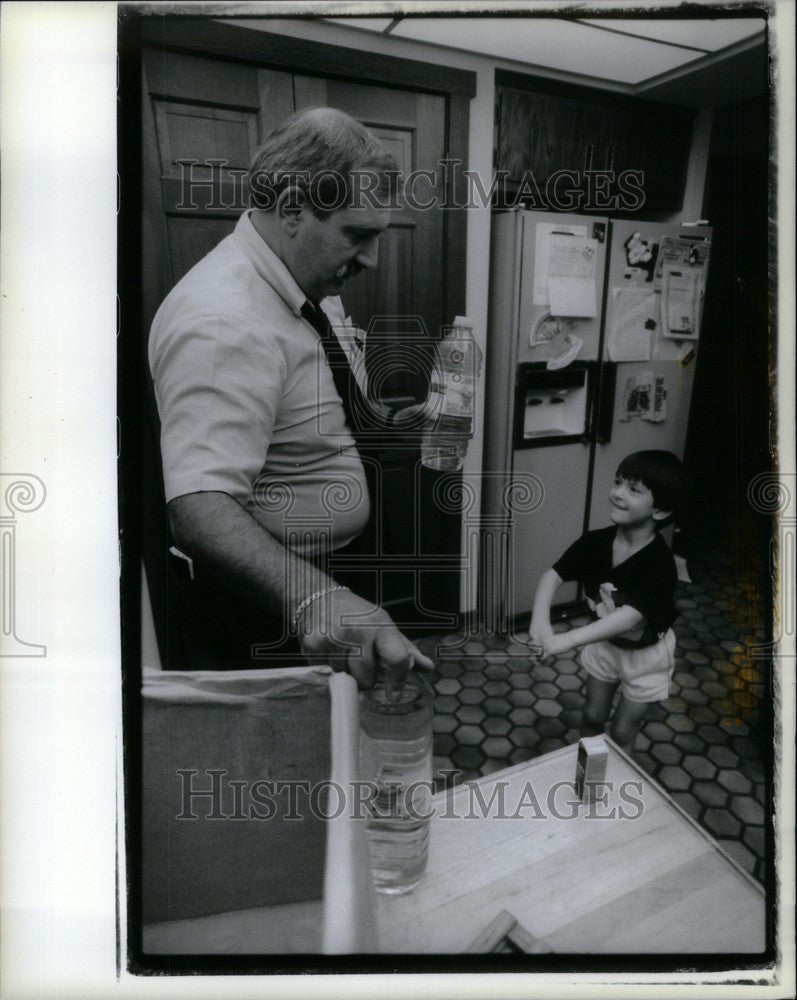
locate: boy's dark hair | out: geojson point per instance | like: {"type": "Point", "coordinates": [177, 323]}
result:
{"type": "Point", "coordinates": [665, 477]}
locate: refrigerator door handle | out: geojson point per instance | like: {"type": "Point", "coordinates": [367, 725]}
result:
{"type": "Point", "coordinates": [605, 409]}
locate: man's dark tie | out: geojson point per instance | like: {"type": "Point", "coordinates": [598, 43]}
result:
{"type": "Point", "coordinates": [357, 413]}
{"type": "Point", "coordinates": [355, 404]}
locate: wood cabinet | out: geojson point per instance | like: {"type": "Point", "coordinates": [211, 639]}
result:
{"type": "Point", "coordinates": [576, 149]}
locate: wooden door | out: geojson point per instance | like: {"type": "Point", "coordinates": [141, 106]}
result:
{"type": "Point", "coordinates": [412, 126]}
{"type": "Point", "coordinates": [401, 305]}
{"type": "Point", "coordinates": [202, 119]}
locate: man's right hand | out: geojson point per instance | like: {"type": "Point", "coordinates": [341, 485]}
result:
{"type": "Point", "coordinates": [348, 633]}
{"type": "Point", "coordinates": [338, 628]}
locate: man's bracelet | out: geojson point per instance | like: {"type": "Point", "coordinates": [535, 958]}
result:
{"type": "Point", "coordinates": [297, 614]}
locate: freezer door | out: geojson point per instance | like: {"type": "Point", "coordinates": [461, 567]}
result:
{"type": "Point", "coordinates": [637, 435]}
{"type": "Point", "coordinates": [541, 536]}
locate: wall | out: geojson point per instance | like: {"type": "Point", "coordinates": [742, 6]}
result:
{"type": "Point", "coordinates": [481, 160]}
{"type": "Point", "coordinates": [694, 193]}
{"type": "Point", "coordinates": [729, 435]}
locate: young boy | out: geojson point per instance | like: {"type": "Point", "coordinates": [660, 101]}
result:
{"type": "Point", "coordinates": [629, 578]}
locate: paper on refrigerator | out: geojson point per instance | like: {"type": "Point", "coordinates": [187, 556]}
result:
{"type": "Point", "coordinates": [682, 253]}
{"type": "Point", "coordinates": [634, 315]}
{"type": "Point", "coordinates": [542, 248]}
{"type": "Point", "coordinates": [644, 398]}
{"type": "Point", "coordinates": [571, 275]}
{"type": "Point", "coordinates": [681, 293]}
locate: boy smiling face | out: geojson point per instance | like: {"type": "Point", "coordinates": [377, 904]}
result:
{"type": "Point", "coordinates": [632, 504]}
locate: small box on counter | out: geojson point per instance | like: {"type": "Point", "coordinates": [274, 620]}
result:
{"type": "Point", "coordinates": [590, 765]}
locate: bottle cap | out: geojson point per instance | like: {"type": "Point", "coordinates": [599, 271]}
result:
{"type": "Point", "coordinates": [463, 321]}
{"type": "Point", "coordinates": [393, 698]}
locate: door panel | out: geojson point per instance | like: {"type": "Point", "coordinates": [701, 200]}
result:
{"type": "Point", "coordinates": [404, 288]}
{"type": "Point", "coordinates": [183, 77]}
{"type": "Point", "coordinates": [390, 289]}
{"type": "Point", "coordinates": [275, 90]}
{"type": "Point", "coordinates": [191, 132]}
{"type": "Point", "coordinates": [399, 144]}
{"type": "Point", "coordinates": [309, 92]}
{"type": "Point", "coordinates": [406, 280]}
{"type": "Point", "coordinates": [375, 105]}
{"type": "Point", "coordinates": [198, 110]}
{"type": "Point", "coordinates": [202, 136]}
{"type": "Point", "coordinates": [191, 239]}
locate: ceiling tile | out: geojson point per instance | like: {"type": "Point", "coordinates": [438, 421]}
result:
{"type": "Point", "coordinates": [710, 34]}
{"type": "Point", "coordinates": [367, 23]}
{"type": "Point", "coordinates": [552, 43]}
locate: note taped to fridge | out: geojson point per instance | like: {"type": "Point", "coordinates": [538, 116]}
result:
{"type": "Point", "coordinates": [571, 275]}
{"type": "Point", "coordinates": [544, 232]}
{"type": "Point", "coordinates": [634, 314]}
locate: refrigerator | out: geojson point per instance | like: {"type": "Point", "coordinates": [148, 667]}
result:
{"type": "Point", "coordinates": [593, 337]}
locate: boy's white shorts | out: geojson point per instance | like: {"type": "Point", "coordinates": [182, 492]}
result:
{"type": "Point", "coordinates": [644, 674]}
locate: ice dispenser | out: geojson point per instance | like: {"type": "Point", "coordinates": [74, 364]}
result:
{"type": "Point", "coordinates": [552, 407]}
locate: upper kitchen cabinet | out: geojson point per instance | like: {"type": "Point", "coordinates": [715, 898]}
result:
{"type": "Point", "coordinates": [577, 149]}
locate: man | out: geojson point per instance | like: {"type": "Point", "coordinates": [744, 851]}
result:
{"type": "Point", "coordinates": [262, 475]}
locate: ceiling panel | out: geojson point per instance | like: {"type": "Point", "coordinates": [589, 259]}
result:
{"type": "Point", "coordinates": [368, 23]}
{"type": "Point", "coordinates": [710, 35]}
{"type": "Point", "coordinates": [552, 43]}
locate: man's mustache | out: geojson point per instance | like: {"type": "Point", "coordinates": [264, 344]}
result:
{"type": "Point", "coordinates": [348, 271]}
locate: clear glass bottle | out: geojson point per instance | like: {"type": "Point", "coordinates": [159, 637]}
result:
{"type": "Point", "coordinates": [396, 744]}
{"type": "Point", "coordinates": [452, 390]}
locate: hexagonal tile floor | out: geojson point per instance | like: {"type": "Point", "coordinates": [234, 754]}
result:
{"type": "Point", "coordinates": [709, 744]}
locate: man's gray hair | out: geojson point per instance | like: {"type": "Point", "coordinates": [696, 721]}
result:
{"type": "Point", "coordinates": [328, 155]}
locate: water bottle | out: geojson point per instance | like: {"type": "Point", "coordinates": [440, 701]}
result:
{"type": "Point", "coordinates": [452, 390]}
{"type": "Point", "coordinates": [396, 750]}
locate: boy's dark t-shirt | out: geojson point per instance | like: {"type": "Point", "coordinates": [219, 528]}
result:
{"type": "Point", "coordinates": [645, 581]}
